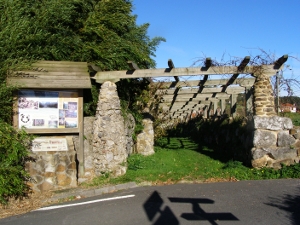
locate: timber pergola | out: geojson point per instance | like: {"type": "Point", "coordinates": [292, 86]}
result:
{"type": "Point", "coordinates": [184, 99]}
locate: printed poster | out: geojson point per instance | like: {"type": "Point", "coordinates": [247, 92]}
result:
{"type": "Point", "coordinates": [48, 109]}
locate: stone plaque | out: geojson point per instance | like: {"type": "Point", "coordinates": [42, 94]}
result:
{"type": "Point", "coordinates": [49, 144]}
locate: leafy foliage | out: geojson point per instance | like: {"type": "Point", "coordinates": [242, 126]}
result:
{"type": "Point", "coordinates": [13, 156]}
{"type": "Point", "coordinates": [6, 102]}
{"type": "Point", "coordinates": [102, 32]}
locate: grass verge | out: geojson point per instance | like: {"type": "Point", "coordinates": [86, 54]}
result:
{"type": "Point", "coordinates": [178, 159]}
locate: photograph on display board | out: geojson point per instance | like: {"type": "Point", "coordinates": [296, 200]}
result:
{"type": "Point", "coordinates": [72, 106]}
{"type": "Point", "coordinates": [71, 124]}
{"type": "Point", "coordinates": [28, 103]}
{"type": "Point", "coordinates": [71, 114]}
{"type": "Point", "coordinates": [50, 104]}
{"type": "Point", "coordinates": [52, 124]}
{"type": "Point", "coordinates": [38, 122]}
{"type": "Point", "coordinates": [65, 105]}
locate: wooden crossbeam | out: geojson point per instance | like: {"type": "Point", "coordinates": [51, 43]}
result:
{"type": "Point", "coordinates": [208, 62]}
{"type": "Point", "coordinates": [241, 67]}
{"type": "Point", "coordinates": [279, 62]}
{"type": "Point", "coordinates": [195, 83]}
{"type": "Point", "coordinates": [132, 65]}
{"type": "Point", "coordinates": [93, 68]}
{"type": "Point", "coordinates": [244, 63]}
{"type": "Point", "coordinates": [102, 76]}
{"type": "Point", "coordinates": [171, 66]}
{"type": "Point", "coordinates": [205, 90]}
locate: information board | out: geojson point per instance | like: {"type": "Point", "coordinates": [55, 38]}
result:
{"type": "Point", "coordinates": [47, 109]}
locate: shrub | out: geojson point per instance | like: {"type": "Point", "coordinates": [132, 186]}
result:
{"type": "Point", "coordinates": [13, 156]}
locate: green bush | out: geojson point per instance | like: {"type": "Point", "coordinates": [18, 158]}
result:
{"type": "Point", "coordinates": [13, 156]}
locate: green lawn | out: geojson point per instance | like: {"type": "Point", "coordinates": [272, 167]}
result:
{"type": "Point", "coordinates": [295, 117]}
{"type": "Point", "coordinates": [180, 159]}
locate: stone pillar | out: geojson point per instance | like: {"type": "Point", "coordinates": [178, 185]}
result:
{"type": "Point", "coordinates": [263, 96]}
{"type": "Point", "coordinates": [109, 136]}
{"type": "Point", "coordinates": [275, 142]}
{"type": "Point", "coordinates": [145, 140]}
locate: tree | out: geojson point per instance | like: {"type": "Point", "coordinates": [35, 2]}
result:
{"type": "Point", "coordinates": [103, 32]}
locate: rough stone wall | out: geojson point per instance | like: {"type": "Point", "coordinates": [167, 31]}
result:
{"type": "Point", "coordinates": [109, 142]}
{"type": "Point", "coordinates": [263, 97]}
{"type": "Point", "coordinates": [275, 142]}
{"type": "Point", "coordinates": [53, 170]}
{"type": "Point", "coordinates": [145, 140]}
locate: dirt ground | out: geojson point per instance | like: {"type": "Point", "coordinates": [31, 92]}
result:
{"type": "Point", "coordinates": [32, 202]}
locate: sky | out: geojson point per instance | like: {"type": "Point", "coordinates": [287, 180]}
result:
{"type": "Point", "coordinates": [223, 30]}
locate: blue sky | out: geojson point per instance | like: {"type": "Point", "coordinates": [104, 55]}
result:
{"type": "Point", "coordinates": [219, 29]}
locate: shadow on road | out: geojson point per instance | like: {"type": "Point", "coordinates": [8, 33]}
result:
{"type": "Point", "coordinates": [154, 204]}
{"type": "Point", "coordinates": [290, 204]}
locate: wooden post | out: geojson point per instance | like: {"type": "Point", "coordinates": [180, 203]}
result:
{"type": "Point", "coordinates": [249, 100]}
{"type": "Point", "coordinates": [205, 111]}
{"type": "Point", "coordinates": [233, 99]}
{"type": "Point", "coordinates": [215, 107]}
{"type": "Point", "coordinates": [80, 153]}
{"type": "Point", "coordinates": [209, 110]}
{"type": "Point", "coordinates": [223, 106]}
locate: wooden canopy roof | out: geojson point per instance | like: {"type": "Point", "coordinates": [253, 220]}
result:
{"type": "Point", "coordinates": [178, 96]}
{"type": "Point", "coordinates": [182, 97]}
{"type": "Point", "coordinates": [52, 74]}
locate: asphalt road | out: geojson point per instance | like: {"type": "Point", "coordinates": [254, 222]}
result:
{"type": "Point", "coordinates": [270, 202]}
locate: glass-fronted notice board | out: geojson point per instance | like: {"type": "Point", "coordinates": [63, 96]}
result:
{"type": "Point", "coordinates": [39, 109]}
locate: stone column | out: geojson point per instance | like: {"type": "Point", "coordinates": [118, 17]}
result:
{"type": "Point", "coordinates": [145, 140]}
{"type": "Point", "coordinates": [263, 96]}
{"type": "Point", "coordinates": [109, 136]}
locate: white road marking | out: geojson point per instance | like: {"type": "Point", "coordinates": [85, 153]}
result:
{"type": "Point", "coordinates": [83, 203]}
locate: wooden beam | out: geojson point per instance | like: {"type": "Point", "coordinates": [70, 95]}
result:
{"type": "Point", "coordinates": [241, 67]}
{"type": "Point", "coordinates": [93, 68]}
{"type": "Point", "coordinates": [171, 66]}
{"type": "Point", "coordinates": [195, 83]}
{"type": "Point", "coordinates": [205, 90]}
{"type": "Point", "coordinates": [187, 71]}
{"type": "Point", "coordinates": [132, 65]}
{"type": "Point", "coordinates": [208, 62]}
{"type": "Point", "coordinates": [279, 62]}
{"type": "Point", "coordinates": [244, 63]}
